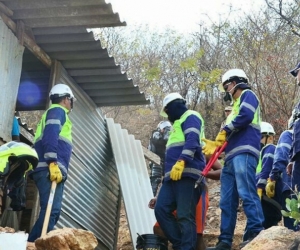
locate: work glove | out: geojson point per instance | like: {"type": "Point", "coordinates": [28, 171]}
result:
{"type": "Point", "coordinates": [270, 188]}
{"type": "Point", "coordinates": [177, 170]}
{"type": "Point", "coordinates": [210, 146]}
{"type": "Point", "coordinates": [259, 192]}
{"type": "Point", "coordinates": [221, 138]}
{"type": "Point", "coordinates": [55, 173]}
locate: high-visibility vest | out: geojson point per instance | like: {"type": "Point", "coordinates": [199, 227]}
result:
{"type": "Point", "coordinates": [177, 136]}
{"type": "Point", "coordinates": [235, 111]}
{"type": "Point", "coordinates": [66, 130]}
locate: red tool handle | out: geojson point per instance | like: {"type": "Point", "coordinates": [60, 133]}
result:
{"type": "Point", "coordinates": [211, 162]}
{"type": "Point", "coordinates": [213, 158]}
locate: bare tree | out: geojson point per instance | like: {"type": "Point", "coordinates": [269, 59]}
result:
{"type": "Point", "coordinates": [288, 11]}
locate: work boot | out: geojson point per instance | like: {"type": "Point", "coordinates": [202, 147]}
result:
{"type": "Point", "coordinates": [251, 237]}
{"type": "Point", "coordinates": [222, 246]}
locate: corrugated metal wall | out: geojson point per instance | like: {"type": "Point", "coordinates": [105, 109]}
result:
{"type": "Point", "coordinates": [92, 195]}
{"type": "Point", "coordinates": [134, 180]}
{"type": "Point", "coordinates": [10, 71]}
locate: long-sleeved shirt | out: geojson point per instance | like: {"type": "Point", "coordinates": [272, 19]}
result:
{"type": "Point", "coordinates": [282, 157]}
{"type": "Point", "coordinates": [53, 140]}
{"type": "Point", "coordinates": [190, 151]}
{"type": "Point", "coordinates": [246, 138]}
{"type": "Point", "coordinates": [267, 159]}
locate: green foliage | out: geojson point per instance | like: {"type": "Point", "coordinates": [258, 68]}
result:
{"type": "Point", "coordinates": [292, 206]}
{"type": "Point", "coordinates": [153, 73]}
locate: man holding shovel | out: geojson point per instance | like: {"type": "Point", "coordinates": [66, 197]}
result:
{"type": "Point", "coordinates": [53, 143]}
{"type": "Point", "coordinates": [241, 158]}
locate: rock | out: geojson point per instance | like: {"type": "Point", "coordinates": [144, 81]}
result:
{"type": "Point", "coordinates": [67, 239]}
{"type": "Point", "coordinates": [7, 230]}
{"type": "Point", "coordinates": [276, 237]}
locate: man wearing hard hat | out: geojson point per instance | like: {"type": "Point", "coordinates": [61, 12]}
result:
{"type": "Point", "coordinates": [184, 162]}
{"type": "Point", "coordinates": [241, 157]}
{"type": "Point", "coordinates": [53, 143]}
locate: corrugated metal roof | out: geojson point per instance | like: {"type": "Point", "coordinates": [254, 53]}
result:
{"type": "Point", "coordinates": [134, 180]}
{"type": "Point", "coordinates": [59, 28]}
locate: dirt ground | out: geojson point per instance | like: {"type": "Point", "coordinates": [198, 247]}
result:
{"type": "Point", "coordinates": [212, 222]}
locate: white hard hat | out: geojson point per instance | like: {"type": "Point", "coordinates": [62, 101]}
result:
{"type": "Point", "coordinates": [230, 74]}
{"type": "Point", "coordinates": [164, 124]}
{"type": "Point", "coordinates": [266, 128]}
{"type": "Point", "coordinates": [169, 98]}
{"type": "Point", "coordinates": [60, 90]}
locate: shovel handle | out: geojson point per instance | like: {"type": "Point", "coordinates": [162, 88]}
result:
{"type": "Point", "coordinates": [49, 208]}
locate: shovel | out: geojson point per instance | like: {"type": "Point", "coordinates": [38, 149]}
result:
{"type": "Point", "coordinates": [49, 207]}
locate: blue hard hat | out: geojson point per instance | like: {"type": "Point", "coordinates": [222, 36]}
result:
{"type": "Point", "coordinates": [294, 71]}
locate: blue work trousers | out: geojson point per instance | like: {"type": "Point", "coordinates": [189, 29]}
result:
{"type": "Point", "coordinates": [181, 196]}
{"type": "Point", "coordinates": [43, 184]}
{"type": "Point", "coordinates": [238, 180]}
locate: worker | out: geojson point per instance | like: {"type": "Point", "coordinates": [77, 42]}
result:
{"type": "Point", "coordinates": [201, 209]}
{"type": "Point", "coordinates": [16, 158]}
{"type": "Point", "coordinates": [272, 214]}
{"type": "Point", "coordinates": [227, 111]}
{"type": "Point", "coordinates": [296, 137]}
{"type": "Point", "coordinates": [241, 158]}
{"type": "Point", "coordinates": [53, 143]}
{"type": "Point", "coordinates": [184, 161]}
{"type": "Point", "coordinates": [157, 145]}
{"type": "Point", "coordinates": [278, 174]}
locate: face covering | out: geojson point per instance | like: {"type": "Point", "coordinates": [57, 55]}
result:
{"type": "Point", "coordinates": [175, 110]}
{"type": "Point", "coordinates": [227, 97]}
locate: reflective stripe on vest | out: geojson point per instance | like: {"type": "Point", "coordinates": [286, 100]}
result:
{"type": "Point", "coordinates": [186, 170]}
{"type": "Point", "coordinates": [236, 108]}
{"type": "Point", "coordinates": [259, 165]}
{"type": "Point", "coordinates": [66, 130]}
{"type": "Point", "coordinates": [255, 124]}
{"type": "Point", "coordinates": [177, 137]}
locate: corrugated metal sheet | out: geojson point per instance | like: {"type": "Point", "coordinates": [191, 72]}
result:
{"type": "Point", "coordinates": [92, 194]}
{"type": "Point", "coordinates": [59, 28]}
{"type": "Point", "coordinates": [134, 180]}
{"type": "Point", "coordinates": [10, 71]}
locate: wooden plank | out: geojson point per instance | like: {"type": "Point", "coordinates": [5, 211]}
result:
{"type": "Point", "coordinates": [29, 43]}
{"type": "Point", "coordinates": [26, 134]}
{"type": "Point", "coordinates": [151, 156]}
{"type": "Point", "coordinates": [20, 32]}
{"type": "Point", "coordinates": [5, 10]}
{"type": "Point", "coordinates": [55, 75]}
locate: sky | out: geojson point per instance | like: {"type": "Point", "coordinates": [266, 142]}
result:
{"type": "Point", "coordinates": [181, 15]}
